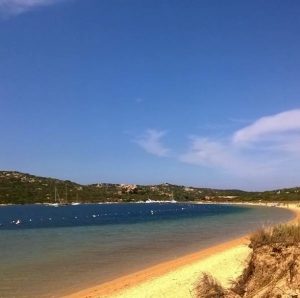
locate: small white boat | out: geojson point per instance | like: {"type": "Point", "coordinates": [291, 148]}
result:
{"type": "Point", "coordinates": [149, 201]}
{"type": "Point", "coordinates": [53, 204]}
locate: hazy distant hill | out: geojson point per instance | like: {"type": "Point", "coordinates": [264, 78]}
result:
{"type": "Point", "coordinates": [21, 188]}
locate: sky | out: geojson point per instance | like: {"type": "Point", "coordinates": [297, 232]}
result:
{"type": "Point", "coordinates": [202, 93]}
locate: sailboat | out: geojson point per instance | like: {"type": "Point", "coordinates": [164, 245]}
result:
{"type": "Point", "coordinates": [61, 201]}
{"type": "Point", "coordinates": [57, 201]}
{"type": "Point", "coordinates": [76, 203]}
{"type": "Point", "coordinates": [172, 198]}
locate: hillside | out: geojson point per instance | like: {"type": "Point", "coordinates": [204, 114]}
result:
{"type": "Point", "coordinates": [21, 188]}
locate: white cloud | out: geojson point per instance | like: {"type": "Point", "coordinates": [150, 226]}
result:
{"type": "Point", "coordinates": [151, 142]}
{"type": "Point", "coordinates": [15, 7]}
{"type": "Point", "coordinates": [265, 149]}
{"type": "Point", "coordinates": [222, 156]}
{"type": "Point", "coordinates": [203, 151]}
{"type": "Point", "coordinates": [265, 153]}
{"type": "Point", "coordinates": [268, 128]}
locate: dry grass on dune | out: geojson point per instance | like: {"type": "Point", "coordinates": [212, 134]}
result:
{"type": "Point", "coordinates": [281, 234]}
{"type": "Point", "coordinates": [273, 269]}
{"type": "Point", "coordinates": [209, 287]}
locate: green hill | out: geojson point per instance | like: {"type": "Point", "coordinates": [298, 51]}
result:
{"type": "Point", "coordinates": [22, 188]}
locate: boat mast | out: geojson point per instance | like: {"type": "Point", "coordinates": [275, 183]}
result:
{"type": "Point", "coordinates": [56, 195]}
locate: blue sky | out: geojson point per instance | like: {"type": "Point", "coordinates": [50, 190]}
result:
{"type": "Point", "coordinates": [202, 93]}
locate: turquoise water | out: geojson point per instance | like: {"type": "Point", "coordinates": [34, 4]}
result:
{"type": "Point", "coordinates": [55, 251]}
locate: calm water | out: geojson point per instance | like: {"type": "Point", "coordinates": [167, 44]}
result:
{"type": "Point", "coordinates": [48, 252]}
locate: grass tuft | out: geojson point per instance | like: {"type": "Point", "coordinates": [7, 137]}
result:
{"type": "Point", "coordinates": [281, 234]}
{"type": "Point", "coordinates": [209, 287]}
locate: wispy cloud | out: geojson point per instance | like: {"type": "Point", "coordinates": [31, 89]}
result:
{"type": "Point", "coordinates": [203, 151]}
{"type": "Point", "coordinates": [269, 127]}
{"type": "Point", "coordinates": [262, 148]}
{"type": "Point", "coordinates": [219, 154]}
{"type": "Point", "coordinates": [151, 142]}
{"type": "Point", "coordinates": [16, 7]}
{"type": "Point", "coordinates": [265, 152]}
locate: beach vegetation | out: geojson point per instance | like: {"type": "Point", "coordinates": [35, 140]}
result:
{"type": "Point", "coordinates": [282, 234]}
{"type": "Point", "coordinates": [273, 269]}
{"type": "Point", "coordinates": [209, 287]}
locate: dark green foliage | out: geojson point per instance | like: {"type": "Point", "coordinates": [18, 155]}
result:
{"type": "Point", "coordinates": [21, 188]}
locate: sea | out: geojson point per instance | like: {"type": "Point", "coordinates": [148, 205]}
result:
{"type": "Point", "coordinates": [48, 251]}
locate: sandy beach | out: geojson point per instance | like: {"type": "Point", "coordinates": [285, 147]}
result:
{"type": "Point", "coordinates": [177, 278]}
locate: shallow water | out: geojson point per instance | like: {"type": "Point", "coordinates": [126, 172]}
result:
{"type": "Point", "coordinates": [47, 251]}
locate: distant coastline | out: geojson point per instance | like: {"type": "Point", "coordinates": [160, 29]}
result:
{"type": "Point", "coordinates": [22, 188]}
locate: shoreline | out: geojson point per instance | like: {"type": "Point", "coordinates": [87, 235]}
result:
{"type": "Point", "coordinates": [118, 285]}
{"type": "Point", "coordinates": [250, 203]}
{"type": "Point", "coordinates": [177, 277]}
